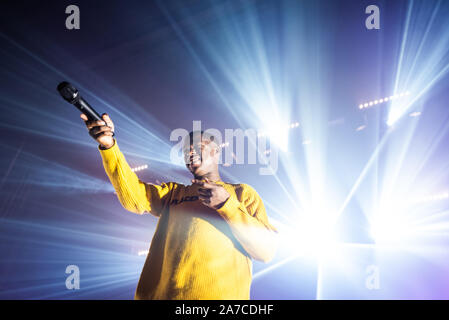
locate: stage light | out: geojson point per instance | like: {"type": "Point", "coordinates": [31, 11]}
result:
{"type": "Point", "coordinates": [382, 100]}
{"type": "Point", "coordinates": [313, 236]}
{"type": "Point", "coordinates": [139, 168]}
{"type": "Point", "coordinates": [392, 227]}
{"type": "Point", "coordinates": [415, 114]}
{"type": "Point", "coordinates": [435, 197]}
{"type": "Point", "coordinates": [400, 221]}
{"type": "Point", "coordinates": [360, 128]}
{"type": "Point", "coordinates": [142, 252]}
{"type": "Point", "coordinates": [423, 56]}
{"type": "Point", "coordinates": [390, 223]}
{"type": "Point", "coordinates": [278, 134]}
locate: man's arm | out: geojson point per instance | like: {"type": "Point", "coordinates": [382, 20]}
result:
{"type": "Point", "coordinates": [134, 195]}
{"type": "Point", "coordinates": [249, 224]}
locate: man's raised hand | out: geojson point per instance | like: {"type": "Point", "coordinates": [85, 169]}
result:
{"type": "Point", "coordinates": [101, 131]}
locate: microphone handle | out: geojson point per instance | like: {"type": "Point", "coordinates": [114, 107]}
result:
{"type": "Point", "coordinates": [85, 108]}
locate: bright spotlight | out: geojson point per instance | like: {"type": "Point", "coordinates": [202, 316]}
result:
{"type": "Point", "coordinates": [278, 134]}
{"type": "Point", "coordinates": [399, 107]}
{"type": "Point", "coordinates": [311, 236]}
{"type": "Point", "coordinates": [390, 228]}
{"type": "Point", "coordinates": [400, 220]}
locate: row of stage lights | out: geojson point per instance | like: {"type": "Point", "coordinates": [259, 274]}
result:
{"type": "Point", "coordinates": [386, 99]}
{"type": "Point", "coordinates": [139, 168]}
{"type": "Point", "coordinates": [435, 197]}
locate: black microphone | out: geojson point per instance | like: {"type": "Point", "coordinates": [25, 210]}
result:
{"type": "Point", "coordinates": [72, 96]}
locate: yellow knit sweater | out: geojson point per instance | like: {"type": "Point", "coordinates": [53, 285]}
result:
{"type": "Point", "coordinates": [196, 253]}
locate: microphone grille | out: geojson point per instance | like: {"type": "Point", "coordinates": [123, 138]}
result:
{"type": "Point", "coordinates": [68, 92]}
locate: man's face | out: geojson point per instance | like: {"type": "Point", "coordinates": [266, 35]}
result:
{"type": "Point", "coordinates": [201, 157]}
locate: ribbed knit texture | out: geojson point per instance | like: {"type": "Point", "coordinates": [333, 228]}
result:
{"type": "Point", "coordinates": [196, 253]}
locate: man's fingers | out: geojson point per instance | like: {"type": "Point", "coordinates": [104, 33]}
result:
{"type": "Point", "coordinates": [107, 119]}
{"type": "Point", "coordinates": [205, 195]}
{"type": "Point", "coordinates": [91, 123]}
{"type": "Point", "coordinates": [94, 123]}
{"type": "Point", "coordinates": [98, 129]}
{"type": "Point", "coordinates": [208, 185]}
{"type": "Point", "coordinates": [100, 134]}
{"type": "Point", "coordinates": [204, 191]}
{"type": "Point", "coordinates": [198, 182]}
{"type": "Point", "coordinates": [204, 199]}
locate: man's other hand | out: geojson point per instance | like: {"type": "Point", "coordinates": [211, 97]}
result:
{"type": "Point", "coordinates": [211, 194]}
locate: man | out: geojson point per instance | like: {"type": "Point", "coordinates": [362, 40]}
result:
{"type": "Point", "coordinates": [207, 232]}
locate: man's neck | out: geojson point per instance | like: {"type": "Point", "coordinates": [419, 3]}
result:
{"type": "Point", "coordinates": [211, 176]}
